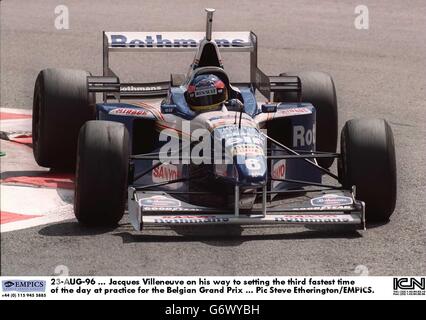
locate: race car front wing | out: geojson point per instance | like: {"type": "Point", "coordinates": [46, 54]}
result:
{"type": "Point", "coordinates": [305, 205]}
{"type": "Point", "coordinates": [334, 207]}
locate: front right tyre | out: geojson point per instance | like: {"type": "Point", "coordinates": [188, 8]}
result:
{"type": "Point", "coordinates": [101, 173]}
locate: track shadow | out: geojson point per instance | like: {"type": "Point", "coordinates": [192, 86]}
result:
{"type": "Point", "coordinates": [219, 236]}
{"type": "Point", "coordinates": [36, 173]}
{"type": "Point", "coordinates": [374, 225]}
{"type": "Point", "coordinates": [66, 195]}
{"type": "Point", "coordinates": [20, 173]}
{"type": "Point", "coordinates": [72, 228]}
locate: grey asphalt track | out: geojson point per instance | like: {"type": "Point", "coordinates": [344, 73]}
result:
{"type": "Point", "coordinates": [378, 72]}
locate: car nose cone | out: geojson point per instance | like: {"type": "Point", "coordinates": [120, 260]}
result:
{"type": "Point", "coordinates": [244, 149]}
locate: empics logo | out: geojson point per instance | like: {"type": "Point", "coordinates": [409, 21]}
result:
{"type": "Point", "coordinates": [24, 285]}
{"type": "Point", "coordinates": [409, 286]}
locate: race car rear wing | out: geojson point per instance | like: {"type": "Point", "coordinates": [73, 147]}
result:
{"type": "Point", "coordinates": [174, 41]}
{"type": "Point", "coordinates": [109, 82]}
{"type": "Point", "coordinates": [246, 41]}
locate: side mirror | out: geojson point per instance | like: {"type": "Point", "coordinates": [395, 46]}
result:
{"type": "Point", "coordinates": [269, 107]}
{"type": "Point", "coordinates": [168, 108]}
{"type": "Point", "coordinates": [234, 105]}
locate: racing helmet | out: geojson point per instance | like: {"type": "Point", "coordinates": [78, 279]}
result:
{"type": "Point", "coordinates": [206, 92]}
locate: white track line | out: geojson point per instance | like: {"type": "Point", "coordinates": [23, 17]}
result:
{"type": "Point", "coordinates": [52, 204]}
{"type": "Point", "coordinates": [14, 125]}
{"type": "Point", "coordinates": [16, 110]}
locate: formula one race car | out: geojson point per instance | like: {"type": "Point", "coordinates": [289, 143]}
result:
{"type": "Point", "coordinates": [200, 149]}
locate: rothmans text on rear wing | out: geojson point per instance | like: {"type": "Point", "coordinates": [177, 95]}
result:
{"type": "Point", "coordinates": [245, 41]}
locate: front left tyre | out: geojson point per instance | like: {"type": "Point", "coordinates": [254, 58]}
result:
{"type": "Point", "coordinates": [368, 162]}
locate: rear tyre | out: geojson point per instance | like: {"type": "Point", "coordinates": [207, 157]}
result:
{"type": "Point", "coordinates": [318, 89]}
{"type": "Point", "coordinates": [368, 162]}
{"type": "Point", "coordinates": [61, 105]}
{"type": "Point", "coordinates": [101, 173]}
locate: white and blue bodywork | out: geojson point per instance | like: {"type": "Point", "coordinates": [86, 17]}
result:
{"type": "Point", "coordinates": [271, 147]}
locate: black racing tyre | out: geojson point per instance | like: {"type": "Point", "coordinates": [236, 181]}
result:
{"type": "Point", "coordinates": [368, 162]}
{"type": "Point", "coordinates": [101, 173]}
{"type": "Point", "coordinates": [318, 89]}
{"type": "Point", "coordinates": [61, 105]}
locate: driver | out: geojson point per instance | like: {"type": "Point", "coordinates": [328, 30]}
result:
{"type": "Point", "coordinates": [206, 92]}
